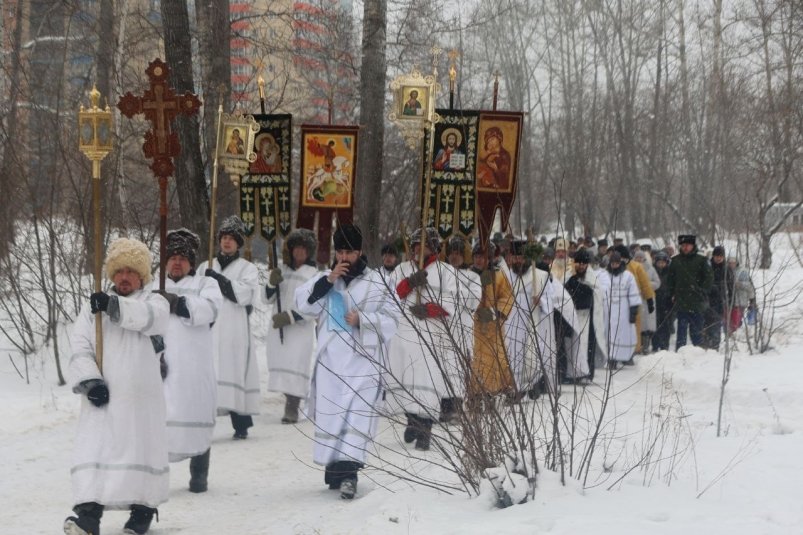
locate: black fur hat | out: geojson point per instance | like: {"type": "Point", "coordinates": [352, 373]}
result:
{"type": "Point", "coordinates": [687, 238]}
{"type": "Point", "coordinates": [582, 257]}
{"type": "Point", "coordinates": [479, 249]}
{"type": "Point", "coordinates": [623, 251]}
{"type": "Point", "coordinates": [300, 237]}
{"type": "Point", "coordinates": [433, 239]}
{"type": "Point", "coordinates": [183, 242]}
{"type": "Point", "coordinates": [456, 244]}
{"type": "Point", "coordinates": [348, 237]}
{"type": "Point", "coordinates": [234, 227]}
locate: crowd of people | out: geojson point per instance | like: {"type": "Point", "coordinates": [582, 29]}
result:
{"type": "Point", "coordinates": [437, 329]}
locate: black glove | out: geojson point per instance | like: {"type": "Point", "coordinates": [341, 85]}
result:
{"type": "Point", "coordinates": [98, 395]}
{"type": "Point", "coordinates": [419, 310]}
{"type": "Point", "coordinates": [651, 305]}
{"type": "Point", "coordinates": [99, 302]}
{"type": "Point", "coordinates": [275, 277]}
{"type": "Point", "coordinates": [419, 278]}
{"type": "Point", "coordinates": [282, 319]}
{"type": "Point", "coordinates": [633, 314]}
{"type": "Point", "coordinates": [171, 298]}
{"type": "Point", "coordinates": [486, 277]}
{"type": "Point", "coordinates": [225, 284]}
{"type": "Point", "coordinates": [163, 367]}
{"type": "Point", "coordinates": [485, 315]}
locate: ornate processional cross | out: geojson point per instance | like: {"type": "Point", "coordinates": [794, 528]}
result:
{"type": "Point", "coordinates": [160, 105]}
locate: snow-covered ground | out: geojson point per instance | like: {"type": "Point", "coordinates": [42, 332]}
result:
{"type": "Point", "coordinates": [692, 482]}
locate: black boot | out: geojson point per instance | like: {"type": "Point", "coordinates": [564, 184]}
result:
{"type": "Point", "coordinates": [199, 471]}
{"type": "Point", "coordinates": [448, 410]}
{"type": "Point", "coordinates": [338, 472]}
{"type": "Point", "coordinates": [87, 522]}
{"type": "Point", "coordinates": [291, 409]}
{"type": "Point", "coordinates": [348, 488]}
{"type": "Point", "coordinates": [140, 520]}
{"type": "Point", "coordinates": [241, 423]}
{"type": "Point", "coordinates": [411, 431]}
{"type": "Point", "coordinates": [424, 437]}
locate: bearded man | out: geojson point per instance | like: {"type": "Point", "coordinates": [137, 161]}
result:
{"type": "Point", "coordinates": [120, 457]}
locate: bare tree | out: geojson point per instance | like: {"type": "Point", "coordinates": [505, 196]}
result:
{"type": "Point", "coordinates": [372, 117]}
{"type": "Point", "coordinates": [190, 180]}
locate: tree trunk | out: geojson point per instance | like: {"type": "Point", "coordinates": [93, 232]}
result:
{"type": "Point", "coordinates": [10, 172]}
{"type": "Point", "coordinates": [190, 181]}
{"type": "Point", "coordinates": [372, 107]}
{"type": "Point", "coordinates": [214, 38]}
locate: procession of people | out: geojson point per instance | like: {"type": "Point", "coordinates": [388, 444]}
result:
{"type": "Point", "coordinates": [433, 331]}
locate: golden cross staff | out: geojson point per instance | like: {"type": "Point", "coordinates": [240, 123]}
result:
{"type": "Point", "coordinates": [95, 141]}
{"type": "Point", "coordinates": [430, 124]}
{"type": "Point", "coordinates": [453, 55]}
{"type": "Point", "coordinates": [213, 192]}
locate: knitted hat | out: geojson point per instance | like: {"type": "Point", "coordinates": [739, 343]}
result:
{"type": "Point", "coordinates": [234, 227]}
{"type": "Point", "coordinates": [348, 237]}
{"type": "Point", "coordinates": [183, 242]}
{"type": "Point", "coordinates": [661, 255]}
{"type": "Point", "coordinates": [718, 251]}
{"type": "Point", "coordinates": [131, 254]}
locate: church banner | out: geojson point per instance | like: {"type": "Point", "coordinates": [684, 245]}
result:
{"type": "Point", "coordinates": [451, 202]}
{"type": "Point", "coordinates": [265, 195]}
{"type": "Point", "coordinates": [328, 174]}
{"type": "Point", "coordinates": [499, 140]}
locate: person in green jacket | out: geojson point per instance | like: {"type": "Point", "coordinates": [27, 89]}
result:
{"type": "Point", "coordinates": [690, 278]}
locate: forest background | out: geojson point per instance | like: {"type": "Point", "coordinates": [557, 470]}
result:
{"type": "Point", "coordinates": [641, 118]}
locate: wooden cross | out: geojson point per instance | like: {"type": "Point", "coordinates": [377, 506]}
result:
{"type": "Point", "coordinates": [160, 105]}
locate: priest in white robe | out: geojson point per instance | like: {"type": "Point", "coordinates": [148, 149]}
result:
{"type": "Point", "coordinates": [355, 322]}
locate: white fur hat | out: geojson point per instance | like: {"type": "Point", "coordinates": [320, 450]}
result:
{"type": "Point", "coordinates": [131, 254]}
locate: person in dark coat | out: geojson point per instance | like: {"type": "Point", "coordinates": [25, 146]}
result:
{"type": "Point", "coordinates": [664, 316]}
{"type": "Point", "coordinates": [718, 296]}
{"type": "Point", "coordinates": [689, 280]}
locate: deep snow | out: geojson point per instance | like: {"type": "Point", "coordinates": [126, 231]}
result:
{"type": "Point", "coordinates": [747, 481]}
